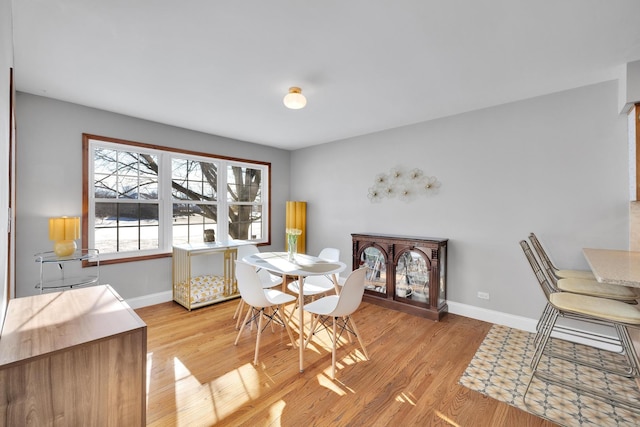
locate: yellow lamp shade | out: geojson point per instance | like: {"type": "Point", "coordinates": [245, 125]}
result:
{"type": "Point", "coordinates": [64, 231]}
{"type": "Point", "coordinates": [296, 218]}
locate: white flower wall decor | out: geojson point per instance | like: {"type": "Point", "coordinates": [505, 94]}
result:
{"type": "Point", "coordinates": [403, 184]}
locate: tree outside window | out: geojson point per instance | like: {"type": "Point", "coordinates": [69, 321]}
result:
{"type": "Point", "coordinates": [142, 199]}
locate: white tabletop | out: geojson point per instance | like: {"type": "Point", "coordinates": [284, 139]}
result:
{"type": "Point", "coordinates": [304, 265]}
{"type": "Point", "coordinates": [617, 267]}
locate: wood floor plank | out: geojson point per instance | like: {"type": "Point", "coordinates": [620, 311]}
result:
{"type": "Point", "coordinates": [197, 377]}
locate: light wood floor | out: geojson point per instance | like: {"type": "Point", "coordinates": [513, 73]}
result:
{"type": "Point", "coordinates": [197, 377]}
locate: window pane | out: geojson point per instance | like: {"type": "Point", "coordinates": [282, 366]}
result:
{"type": "Point", "coordinates": [127, 164]}
{"type": "Point", "coordinates": [148, 188]}
{"type": "Point", "coordinates": [195, 187]}
{"type": "Point", "coordinates": [105, 186]}
{"type": "Point", "coordinates": [105, 161]}
{"type": "Point", "coordinates": [245, 222]}
{"type": "Point", "coordinates": [244, 184]}
{"type": "Point", "coordinates": [179, 169]}
{"type": "Point", "coordinates": [121, 227]}
{"type": "Point", "coordinates": [190, 222]}
{"type": "Point", "coordinates": [209, 180]}
{"type": "Point", "coordinates": [194, 180]}
{"type": "Point", "coordinates": [123, 174]}
{"type": "Point", "coordinates": [127, 187]}
{"type": "Point", "coordinates": [148, 165]}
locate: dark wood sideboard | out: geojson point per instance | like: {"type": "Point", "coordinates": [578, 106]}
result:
{"type": "Point", "coordinates": [404, 273]}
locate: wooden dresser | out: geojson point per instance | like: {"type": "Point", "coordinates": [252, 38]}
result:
{"type": "Point", "coordinates": [74, 358]}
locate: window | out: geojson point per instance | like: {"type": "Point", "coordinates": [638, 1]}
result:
{"type": "Point", "coordinates": [244, 192]}
{"type": "Point", "coordinates": [140, 199]}
{"type": "Point", "coordinates": [194, 199]}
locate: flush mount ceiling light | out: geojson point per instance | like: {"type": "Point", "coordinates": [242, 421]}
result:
{"type": "Point", "coordinates": [295, 100]}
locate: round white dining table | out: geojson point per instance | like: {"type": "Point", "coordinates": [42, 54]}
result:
{"type": "Point", "coordinates": [302, 266]}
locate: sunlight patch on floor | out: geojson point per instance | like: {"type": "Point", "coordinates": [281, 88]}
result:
{"type": "Point", "coordinates": [404, 398]}
{"type": "Point", "coordinates": [275, 413]}
{"type": "Point", "coordinates": [148, 379]}
{"type": "Point", "coordinates": [324, 380]}
{"type": "Point", "coordinates": [447, 419]}
{"type": "Point", "coordinates": [218, 398]}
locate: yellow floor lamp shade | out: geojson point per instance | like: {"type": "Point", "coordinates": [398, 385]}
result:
{"type": "Point", "coordinates": [296, 218]}
{"type": "Point", "coordinates": [64, 231]}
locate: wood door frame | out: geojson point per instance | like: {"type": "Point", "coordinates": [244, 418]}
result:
{"type": "Point", "coordinates": [636, 114]}
{"type": "Point", "coordinates": [11, 283]}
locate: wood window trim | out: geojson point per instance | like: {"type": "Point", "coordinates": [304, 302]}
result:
{"type": "Point", "coordinates": [86, 137]}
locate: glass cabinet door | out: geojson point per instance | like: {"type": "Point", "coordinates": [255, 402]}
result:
{"type": "Point", "coordinates": [442, 292]}
{"type": "Point", "coordinates": [376, 276]}
{"type": "Point", "coordinates": [412, 277]}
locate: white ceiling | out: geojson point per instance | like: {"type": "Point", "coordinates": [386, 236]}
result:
{"type": "Point", "coordinates": [223, 67]}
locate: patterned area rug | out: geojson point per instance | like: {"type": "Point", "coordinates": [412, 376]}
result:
{"type": "Point", "coordinates": [500, 369]}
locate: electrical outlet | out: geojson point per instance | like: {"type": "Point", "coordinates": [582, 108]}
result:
{"type": "Point", "coordinates": [483, 295]}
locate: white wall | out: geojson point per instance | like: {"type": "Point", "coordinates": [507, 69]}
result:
{"type": "Point", "coordinates": [6, 63]}
{"type": "Point", "coordinates": [555, 165]}
{"type": "Point", "coordinates": [50, 182]}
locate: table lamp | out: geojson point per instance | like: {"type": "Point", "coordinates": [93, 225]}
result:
{"type": "Point", "coordinates": [64, 231]}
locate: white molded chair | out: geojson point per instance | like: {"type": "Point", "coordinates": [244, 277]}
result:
{"type": "Point", "coordinates": [339, 309]}
{"type": "Point", "coordinates": [259, 299]}
{"type": "Point", "coordinates": [267, 279]}
{"type": "Point", "coordinates": [316, 285]}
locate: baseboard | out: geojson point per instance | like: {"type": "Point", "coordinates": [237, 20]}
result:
{"type": "Point", "coordinates": [491, 316]}
{"type": "Point", "coordinates": [522, 323]}
{"type": "Point", "coordinates": [152, 299]}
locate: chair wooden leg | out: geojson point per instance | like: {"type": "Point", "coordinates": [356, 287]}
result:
{"type": "Point", "coordinates": [273, 327]}
{"type": "Point", "coordinates": [355, 329]}
{"type": "Point", "coordinates": [260, 315]}
{"type": "Point", "coordinates": [246, 319]}
{"type": "Point", "coordinates": [238, 313]}
{"type": "Point", "coordinates": [314, 323]}
{"type": "Point", "coordinates": [238, 309]}
{"type": "Point", "coordinates": [349, 334]}
{"type": "Point", "coordinates": [293, 311]}
{"type": "Point", "coordinates": [333, 351]}
{"type": "Point", "coordinates": [286, 326]}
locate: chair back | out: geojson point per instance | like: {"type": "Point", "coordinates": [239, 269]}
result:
{"type": "Point", "coordinates": [544, 257]}
{"type": "Point", "coordinates": [351, 294]}
{"type": "Point", "coordinates": [250, 285]}
{"type": "Point", "coordinates": [543, 281]}
{"type": "Point", "coordinates": [327, 254]}
{"type": "Point", "coordinates": [330, 254]}
{"type": "Point", "coordinates": [246, 250]}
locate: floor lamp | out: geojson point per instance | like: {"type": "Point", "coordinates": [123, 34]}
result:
{"type": "Point", "coordinates": [296, 217]}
